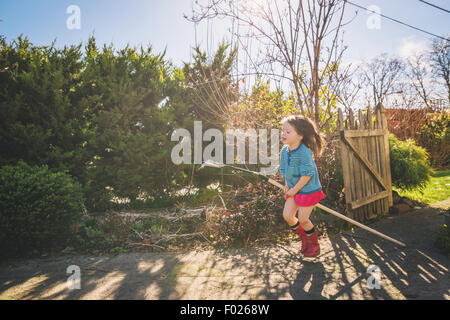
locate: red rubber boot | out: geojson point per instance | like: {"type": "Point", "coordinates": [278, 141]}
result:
{"type": "Point", "coordinates": [302, 236]}
{"type": "Point", "coordinates": [313, 247]}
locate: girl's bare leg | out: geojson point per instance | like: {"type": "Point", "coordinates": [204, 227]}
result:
{"type": "Point", "coordinates": [289, 212]}
{"type": "Point", "coordinates": [303, 216]}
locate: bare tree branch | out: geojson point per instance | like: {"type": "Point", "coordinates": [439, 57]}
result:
{"type": "Point", "coordinates": [298, 37]}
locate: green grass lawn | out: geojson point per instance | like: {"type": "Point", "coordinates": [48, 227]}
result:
{"type": "Point", "coordinates": [438, 189]}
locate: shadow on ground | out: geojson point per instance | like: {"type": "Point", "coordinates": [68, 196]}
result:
{"type": "Point", "coordinates": [419, 271]}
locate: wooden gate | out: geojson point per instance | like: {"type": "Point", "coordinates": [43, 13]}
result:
{"type": "Point", "coordinates": [364, 152]}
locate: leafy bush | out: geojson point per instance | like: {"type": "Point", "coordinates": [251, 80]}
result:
{"type": "Point", "coordinates": [409, 164]}
{"type": "Point", "coordinates": [435, 138]}
{"type": "Point", "coordinates": [103, 114]}
{"type": "Point", "coordinates": [39, 208]}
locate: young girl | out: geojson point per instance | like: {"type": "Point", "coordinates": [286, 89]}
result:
{"type": "Point", "coordinates": [303, 188]}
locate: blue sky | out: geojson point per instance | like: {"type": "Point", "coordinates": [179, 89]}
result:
{"type": "Point", "coordinates": [161, 24]}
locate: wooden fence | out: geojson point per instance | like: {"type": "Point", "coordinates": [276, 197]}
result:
{"type": "Point", "coordinates": [364, 152]}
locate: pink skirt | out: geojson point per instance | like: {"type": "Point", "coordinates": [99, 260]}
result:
{"type": "Point", "coordinates": [308, 200]}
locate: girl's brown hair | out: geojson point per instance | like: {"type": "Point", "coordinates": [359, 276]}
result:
{"type": "Point", "coordinates": [307, 128]}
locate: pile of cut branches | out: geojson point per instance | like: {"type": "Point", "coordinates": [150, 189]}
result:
{"type": "Point", "coordinates": [250, 215]}
{"type": "Point", "coordinates": [156, 230]}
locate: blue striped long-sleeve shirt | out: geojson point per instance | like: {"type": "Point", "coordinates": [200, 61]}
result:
{"type": "Point", "coordinates": [299, 162]}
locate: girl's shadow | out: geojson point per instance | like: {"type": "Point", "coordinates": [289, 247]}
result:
{"type": "Point", "coordinates": [309, 283]}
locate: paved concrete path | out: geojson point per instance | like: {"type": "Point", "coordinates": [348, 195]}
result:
{"type": "Point", "coordinates": [419, 271]}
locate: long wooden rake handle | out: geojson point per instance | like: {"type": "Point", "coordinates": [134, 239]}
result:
{"type": "Point", "coordinates": [339, 215]}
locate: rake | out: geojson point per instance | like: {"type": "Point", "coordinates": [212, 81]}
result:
{"type": "Point", "coordinates": [213, 164]}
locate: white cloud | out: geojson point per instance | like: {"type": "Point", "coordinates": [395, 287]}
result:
{"type": "Point", "coordinates": [353, 62]}
{"type": "Point", "coordinates": [411, 47]}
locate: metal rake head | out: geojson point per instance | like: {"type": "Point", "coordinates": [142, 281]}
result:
{"type": "Point", "coordinates": [210, 163]}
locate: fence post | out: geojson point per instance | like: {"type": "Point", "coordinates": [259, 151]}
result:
{"type": "Point", "coordinates": [387, 160]}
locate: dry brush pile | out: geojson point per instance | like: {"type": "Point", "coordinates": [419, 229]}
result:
{"type": "Point", "coordinates": [250, 215]}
